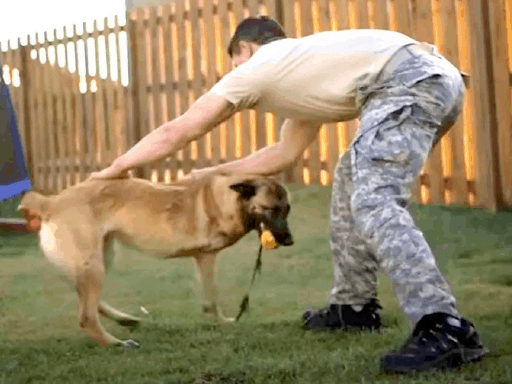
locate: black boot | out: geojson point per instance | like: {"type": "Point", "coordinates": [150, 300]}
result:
{"type": "Point", "coordinates": [344, 317]}
{"type": "Point", "coordinates": [436, 344]}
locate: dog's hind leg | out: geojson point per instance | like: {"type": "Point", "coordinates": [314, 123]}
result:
{"type": "Point", "coordinates": [88, 282]}
{"type": "Point", "coordinates": [120, 317]}
{"type": "Point", "coordinates": [110, 248]}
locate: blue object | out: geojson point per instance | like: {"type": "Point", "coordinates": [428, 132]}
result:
{"type": "Point", "coordinates": [14, 176]}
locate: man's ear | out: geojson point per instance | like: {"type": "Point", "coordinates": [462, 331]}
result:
{"type": "Point", "coordinates": [246, 189]}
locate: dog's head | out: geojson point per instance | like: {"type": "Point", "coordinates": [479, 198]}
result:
{"type": "Point", "coordinates": [266, 206]}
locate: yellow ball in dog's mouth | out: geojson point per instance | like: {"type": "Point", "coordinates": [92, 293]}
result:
{"type": "Point", "coordinates": [267, 240]}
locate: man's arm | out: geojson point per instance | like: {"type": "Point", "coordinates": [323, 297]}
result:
{"type": "Point", "coordinates": [295, 137]}
{"type": "Point", "coordinates": [208, 111]}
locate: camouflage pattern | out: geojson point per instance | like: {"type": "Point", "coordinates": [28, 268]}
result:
{"type": "Point", "coordinates": [371, 226]}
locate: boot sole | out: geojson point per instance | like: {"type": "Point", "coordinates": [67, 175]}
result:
{"type": "Point", "coordinates": [451, 360]}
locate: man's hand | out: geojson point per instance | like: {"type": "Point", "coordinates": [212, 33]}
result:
{"type": "Point", "coordinates": [111, 172]}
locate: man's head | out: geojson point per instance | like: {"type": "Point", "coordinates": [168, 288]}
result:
{"type": "Point", "coordinates": [250, 34]}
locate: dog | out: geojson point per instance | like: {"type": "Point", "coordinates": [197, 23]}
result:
{"type": "Point", "coordinates": [189, 218]}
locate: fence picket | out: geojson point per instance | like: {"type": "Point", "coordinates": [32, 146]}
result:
{"type": "Point", "coordinates": [60, 162]}
{"type": "Point", "coordinates": [485, 178]}
{"type": "Point", "coordinates": [110, 135]}
{"type": "Point", "coordinates": [502, 142]}
{"type": "Point", "coordinates": [197, 78]}
{"type": "Point", "coordinates": [458, 185]}
{"type": "Point", "coordinates": [381, 14]}
{"type": "Point", "coordinates": [154, 82]}
{"type": "Point", "coordinates": [171, 162]}
{"type": "Point", "coordinates": [211, 49]}
{"type": "Point", "coordinates": [225, 37]}
{"type": "Point", "coordinates": [79, 115]}
{"type": "Point", "coordinates": [433, 169]}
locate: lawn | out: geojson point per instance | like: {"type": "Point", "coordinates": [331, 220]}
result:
{"type": "Point", "coordinates": [40, 340]}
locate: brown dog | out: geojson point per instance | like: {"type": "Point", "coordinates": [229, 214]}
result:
{"type": "Point", "coordinates": [192, 218]}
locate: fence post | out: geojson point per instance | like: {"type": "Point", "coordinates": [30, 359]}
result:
{"type": "Point", "coordinates": [25, 89]}
{"type": "Point", "coordinates": [486, 171]}
{"type": "Point", "coordinates": [500, 100]}
{"type": "Point", "coordinates": [133, 87]}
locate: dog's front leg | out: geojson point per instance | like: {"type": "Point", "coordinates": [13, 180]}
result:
{"type": "Point", "coordinates": [206, 273]}
{"type": "Point", "coordinates": [206, 270]}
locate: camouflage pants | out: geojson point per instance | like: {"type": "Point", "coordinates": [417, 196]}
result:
{"type": "Point", "coordinates": [371, 228]}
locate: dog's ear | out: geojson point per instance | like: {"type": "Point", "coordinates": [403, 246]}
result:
{"type": "Point", "coordinates": [246, 189]}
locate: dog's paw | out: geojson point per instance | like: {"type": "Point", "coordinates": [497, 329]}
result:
{"type": "Point", "coordinates": [130, 345]}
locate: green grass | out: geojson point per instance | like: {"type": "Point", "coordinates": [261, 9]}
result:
{"type": "Point", "coordinates": [40, 340]}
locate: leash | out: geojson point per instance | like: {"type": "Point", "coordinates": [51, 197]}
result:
{"type": "Point", "coordinates": [244, 305]}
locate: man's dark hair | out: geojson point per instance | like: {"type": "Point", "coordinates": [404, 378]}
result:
{"type": "Point", "coordinates": [260, 30]}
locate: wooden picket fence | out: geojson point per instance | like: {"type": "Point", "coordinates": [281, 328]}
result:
{"type": "Point", "coordinates": [75, 121]}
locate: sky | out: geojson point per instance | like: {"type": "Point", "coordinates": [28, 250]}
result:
{"type": "Point", "coordinates": [18, 18]}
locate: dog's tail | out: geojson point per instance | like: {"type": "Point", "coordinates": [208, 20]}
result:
{"type": "Point", "coordinates": [33, 207]}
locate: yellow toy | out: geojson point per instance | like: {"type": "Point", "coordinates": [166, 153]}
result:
{"type": "Point", "coordinates": [267, 240]}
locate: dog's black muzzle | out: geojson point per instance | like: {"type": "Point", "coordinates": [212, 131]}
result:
{"type": "Point", "coordinates": [278, 226]}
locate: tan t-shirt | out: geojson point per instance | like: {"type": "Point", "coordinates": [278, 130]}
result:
{"type": "Point", "coordinates": [311, 78]}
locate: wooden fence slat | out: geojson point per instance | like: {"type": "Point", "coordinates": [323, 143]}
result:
{"type": "Point", "coordinates": [225, 36]}
{"type": "Point", "coordinates": [110, 135]}
{"type": "Point", "coordinates": [197, 84]}
{"type": "Point", "coordinates": [502, 143]}
{"type": "Point", "coordinates": [314, 149]}
{"type": "Point", "coordinates": [363, 21]}
{"type": "Point", "coordinates": [71, 153]}
{"type": "Point", "coordinates": [254, 7]}
{"type": "Point", "coordinates": [273, 10]}
{"type": "Point", "coordinates": [169, 81]}
{"type": "Point", "coordinates": [155, 82]}
{"type": "Point", "coordinates": [19, 99]}
{"type": "Point", "coordinates": [381, 14]}
{"type": "Point", "coordinates": [456, 133]}
{"type": "Point", "coordinates": [244, 116]}
{"type": "Point", "coordinates": [485, 179]}
{"type": "Point", "coordinates": [211, 72]}
{"type": "Point", "coordinates": [30, 110]}
{"type": "Point", "coordinates": [349, 128]}
{"type": "Point", "coordinates": [332, 132]}
{"type": "Point", "coordinates": [123, 93]}
{"type": "Point", "coordinates": [89, 106]}
{"type": "Point", "coordinates": [402, 17]}
{"type": "Point", "coordinates": [60, 132]}
{"type": "Point", "coordinates": [342, 11]}
{"type": "Point", "coordinates": [99, 110]}
{"type": "Point", "coordinates": [288, 18]}
{"type": "Point", "coordinates": [142, 94]}
{"type": "Point", "coordinates": [134, 133]}
{"type": "Point", "coordinates": [67, 122]}
{"type": "Point", "coordinates": [183, 75]}
{"type": "Point", "coordinates": [293, 174]}
{"type": "Point", "coordinates": [81, 128]}
{"type": "Point", "coordinates": [49, 84]}
{"type": "Point", "coordinates": [40, 180]}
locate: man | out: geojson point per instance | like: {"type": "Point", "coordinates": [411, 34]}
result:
{"type": "Point", "coordinates": [406, 96]}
